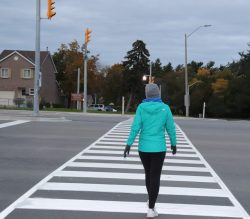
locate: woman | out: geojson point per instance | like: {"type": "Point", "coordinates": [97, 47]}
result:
{"type": "Point", "coordinates": [152, 118]}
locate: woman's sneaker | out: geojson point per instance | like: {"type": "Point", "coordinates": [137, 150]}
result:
{"type": "Point", "coordinates": [152, 213]}
{"type": "Point", "coordinates": [155, 212]}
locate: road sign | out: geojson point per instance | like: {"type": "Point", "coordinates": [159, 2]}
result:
{"type": "Point", "coordinates": [76, 97]}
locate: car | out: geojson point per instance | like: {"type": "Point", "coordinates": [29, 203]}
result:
{"type": "Point", "coordinates": [98, 107]}
{"type": "Point", "coordinates": [110, 109]}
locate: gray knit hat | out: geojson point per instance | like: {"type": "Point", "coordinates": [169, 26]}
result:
{"type": "Point", "coordinates": [152, 91]}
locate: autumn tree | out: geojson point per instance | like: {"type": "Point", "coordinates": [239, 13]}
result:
{"type": "Point", "coordinates": [113, 85]}
{"type": "Point", "coordinates": [68, 59]}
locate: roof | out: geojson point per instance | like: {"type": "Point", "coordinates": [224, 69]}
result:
{"type": "Point", "coordinates": [28, 55]}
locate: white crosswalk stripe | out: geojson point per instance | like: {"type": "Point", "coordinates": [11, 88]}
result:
{"type": "Point", "coordinates": [8, 124]}
{"type": "Point", "coordinates": [89, 171]}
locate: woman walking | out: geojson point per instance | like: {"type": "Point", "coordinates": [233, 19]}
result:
{"type": "Point", "coordinates": [152, 118]}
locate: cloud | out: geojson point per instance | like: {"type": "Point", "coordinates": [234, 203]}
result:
{"type": "Point", "coordinates": [116, 25]}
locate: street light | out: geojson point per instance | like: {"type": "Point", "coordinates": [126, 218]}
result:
{"type": "Point", "coordinates": [144, 77]}
{"type": "Point", "coordinates": [186, 97]}
{"type": "Point", "coordinates": [190, 85]}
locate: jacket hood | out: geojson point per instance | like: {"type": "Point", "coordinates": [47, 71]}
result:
{"type": "Point", "coordinates": [152, 107]}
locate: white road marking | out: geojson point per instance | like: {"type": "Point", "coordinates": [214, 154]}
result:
{"type": "Point", "coordinates": [122, 140]}
{"type": "Point", "coordinates": [132, 153]}
{"type": "Point", "coordinates": [139, 176]}
{"type": "Point", "coordinates": [135, 148]}
{"type": "Point", "coordinates": [26, 195]}
{"type": "Point", "coordinates": [220, 182]}
{"type": "Point", "coordinates": [135, 144]}
{"type": "Point", "coordinates": [8, 124]}
{"type": "Point", "coordinates": [131, 189]}
{"type": "Point", "coordinates": [136, 166]}
{"type": "Point", "coordinates": [129, 207]}
{"type": "Point", "coordinates": [114, 142]}
{"type": "Point", "coordinates": [85, 157]}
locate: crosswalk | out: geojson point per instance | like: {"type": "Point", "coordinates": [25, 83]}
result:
{"type": "Point", "coordinates": [99, 179]}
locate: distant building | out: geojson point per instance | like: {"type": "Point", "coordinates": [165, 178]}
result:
{"type": "Point", "coordinates": [17, 71]}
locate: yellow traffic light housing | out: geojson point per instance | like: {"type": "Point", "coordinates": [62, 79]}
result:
{"type": "Point", "coordinates": [50, 12]}
{"type": "Point", "coordinates": [87, 35]}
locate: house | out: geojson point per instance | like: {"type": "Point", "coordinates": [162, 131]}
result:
{"type": "Point", "coordinates": [17, 71]}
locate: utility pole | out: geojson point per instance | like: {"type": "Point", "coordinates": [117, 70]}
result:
{"type": "Point", "coordinates": [37, 59]}
{"type": "Point", "coordinates": [85, 96]}
{"type": "Point", "coordinates": [204, 108]}
{"type": "Point", "coordinates": [186, 98]}
{"type": "Point", "coordinates": [150, 72]}
{"type": "Point", "coordinates": [123, 104]}
{"type": "Point", "coordinates": [78, 88]}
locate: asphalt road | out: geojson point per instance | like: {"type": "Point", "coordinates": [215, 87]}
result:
{"type": "Point", "coordinates": [30, 151]}
{"type": "Point", "coordinates": [225, 144]}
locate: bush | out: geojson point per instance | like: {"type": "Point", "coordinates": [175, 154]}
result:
{"type": "Point", "coordinates": [18, 101]}
{"type": "Point", "coordinates": [29, 104]}
{"type": "Point", "coordinates": [58, 105]}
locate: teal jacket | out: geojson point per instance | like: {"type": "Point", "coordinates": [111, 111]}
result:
{"type": "Point", "coordinates": [151, 120]}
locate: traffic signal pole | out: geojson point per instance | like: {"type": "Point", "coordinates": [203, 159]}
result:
{"type": "Point", "coordinates": [37, 59]}
{"type": "Point", "coordinates": [50, 14]}
{"type": "Point", "coordinates": [85, 95]}
{"type": "Point", "coordinates": [85, 57]}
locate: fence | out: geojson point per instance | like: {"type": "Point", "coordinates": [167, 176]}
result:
{"type": "Point", "coordinates": [6, 102]}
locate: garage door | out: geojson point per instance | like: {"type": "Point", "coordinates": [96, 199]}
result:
{"type": "Point", "coordinates": [6, 98]}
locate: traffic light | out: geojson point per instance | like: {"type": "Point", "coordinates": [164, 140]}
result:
{"type": "Point", "coordinates": [87, 35]}
{"type": "Point", "coordinates": [51, 7]}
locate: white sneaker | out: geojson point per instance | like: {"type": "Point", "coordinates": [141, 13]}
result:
{"type": "Point", "coordinates": [156, 213]}
{"type": "Point", "coordinates": [152, 213]}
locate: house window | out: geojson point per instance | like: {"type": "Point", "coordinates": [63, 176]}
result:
{"type": "Point", "coordinates": [31, 91]}
{"type": "Point", "coordinates": [23, 92]}
{"type": "Point", "coordinates": [4, 73]}
{"type": "Point", "coordinates": [27, 73]}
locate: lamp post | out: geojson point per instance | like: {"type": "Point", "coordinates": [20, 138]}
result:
{"type": "Point", "coordinates": [150, 73]}
{"type": "Point", "coordinates": [187, 97]}
{"type": "Point", "coordinates": [144, 78]}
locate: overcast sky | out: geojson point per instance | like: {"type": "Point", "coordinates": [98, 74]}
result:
{"type": "Point", "coordinates": [116, 24]}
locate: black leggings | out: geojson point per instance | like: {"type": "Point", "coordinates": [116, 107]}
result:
{"type": "Point", "coordinates": [152, 163]}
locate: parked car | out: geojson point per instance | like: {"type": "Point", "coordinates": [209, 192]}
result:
{"type": "Point", "coordinates": [110, 109]}
{"type": "Point", "coordinates": [98, 107]}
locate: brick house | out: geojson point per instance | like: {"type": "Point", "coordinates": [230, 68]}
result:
{"type": "Point", "coordinates": [17, 70]}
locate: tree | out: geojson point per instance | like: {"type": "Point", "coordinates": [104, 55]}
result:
{"type": "Point", "coordinates": [136, 64]}
{"type": "Point", "coordinates": [193, 68]}
{"type": "Point", "coordinates": [156, 68]}
{"type": "Point", "coordinates": [210, 64]}
{"type": "Point", "coordinates": [68, 59]}
{"type": "Point", "coordinates": [113, 84]}
{"type": "Point", "coordinates": [167, 68]}
{"type": "Point", "coordinates": [203, 72]}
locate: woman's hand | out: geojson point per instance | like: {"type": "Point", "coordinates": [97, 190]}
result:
{"type": "Point", "coordinates": [174, 149]}
{"type": "Point", "coordinates": [126, 151]}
